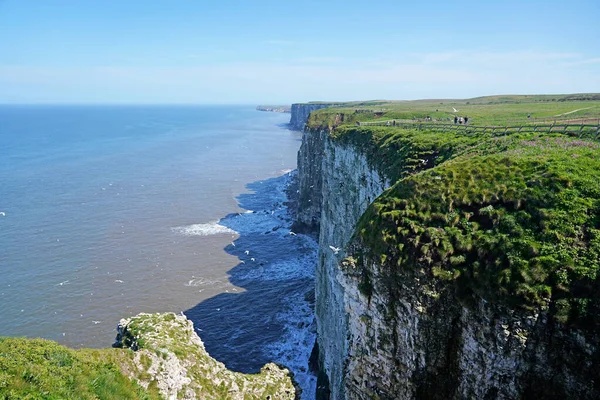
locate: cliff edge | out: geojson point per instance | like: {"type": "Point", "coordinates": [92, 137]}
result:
{"type": "Point", "coordinates": [301, 111]}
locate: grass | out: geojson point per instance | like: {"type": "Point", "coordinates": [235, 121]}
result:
{"type": "Point", "coordinates": [513, 220]}
{"type": "Point", "coordinates": [42, 369]}
{"type": "Point", "coordinates": [490, 110]}
{"type": "Point", "coordinates": [399, 152]}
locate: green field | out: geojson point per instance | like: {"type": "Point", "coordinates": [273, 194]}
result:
{"type": "Point", "coordinates": [490, 110]}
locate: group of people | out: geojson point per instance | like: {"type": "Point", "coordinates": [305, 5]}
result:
{"type": "Point", "coordinates": [461, 120]}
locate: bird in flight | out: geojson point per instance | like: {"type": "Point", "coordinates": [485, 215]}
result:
{"type": "Point", "coordinates": [335, 249]}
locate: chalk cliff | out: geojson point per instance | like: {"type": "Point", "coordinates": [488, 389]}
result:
{"type": "Point", "coordinates": [394, 323]}
{"type": "Point", "coordinates": [339, 215]}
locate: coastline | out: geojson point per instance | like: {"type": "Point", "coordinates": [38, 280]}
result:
{"type": "Point", "coordinates": [271, 317]}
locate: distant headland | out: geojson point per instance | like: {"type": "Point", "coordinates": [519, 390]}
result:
{"type": "Point", "coordinates": [281, 109]}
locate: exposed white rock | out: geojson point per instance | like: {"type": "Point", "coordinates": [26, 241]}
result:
{"type": "Point", "coordinates": [349, 185]}
{"type": "Point", "coordinates": [171, 356]}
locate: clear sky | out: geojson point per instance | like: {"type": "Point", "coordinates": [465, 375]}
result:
{"type": "Point", "coordinates": [263, 51]}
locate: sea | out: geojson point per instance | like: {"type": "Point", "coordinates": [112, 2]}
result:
{"type": "Point", "coordinates": [110, 211]}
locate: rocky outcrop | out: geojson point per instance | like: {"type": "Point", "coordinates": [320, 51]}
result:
{"type": "Point", "coordinates": [170, 356]}
{"type": "Point", "coordinates": [396, 333]}
{"type": "Point", "coordinates": [301, 111]}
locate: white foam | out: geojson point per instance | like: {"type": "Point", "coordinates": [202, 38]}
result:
{"type": "Point", "coordinates": [210, 229]}
{"type": "Point", "coordinates": [296, 345]}
{"type": "Point", "coordinates": [201, 281]}
{"type": "Point", "coordinates": [301, 267]}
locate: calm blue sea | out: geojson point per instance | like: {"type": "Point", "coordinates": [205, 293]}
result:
{"type": "Point", "coordinates": [108, 211]}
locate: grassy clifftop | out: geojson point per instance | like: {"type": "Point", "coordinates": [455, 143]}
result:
{"type": "Point", "coordinates": [401, 152]}
{"type": "Point", "coordinates": [513, 219]}
{"type": "Point", "coordinates": [42, 369]}
{"type": "Point", "coordinates": [489, 110]}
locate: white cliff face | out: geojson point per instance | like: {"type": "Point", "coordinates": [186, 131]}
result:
{"type": "Point", "coordinates": [420, 341]}
{"type": "Point", "coordinates": [349, 185]}
{"type": "Point", "coordinates": [310, 162]}
{"type": "Point", "coordinates": [425, 344]}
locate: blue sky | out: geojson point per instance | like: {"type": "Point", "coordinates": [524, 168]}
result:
{"type": "Point", "coordinates": [247, 52]}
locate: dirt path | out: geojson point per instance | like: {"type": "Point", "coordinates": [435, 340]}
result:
{"type": "Point", "coordinates": [571, 112]}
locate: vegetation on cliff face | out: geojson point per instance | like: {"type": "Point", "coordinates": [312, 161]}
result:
{"type": "Point", "coordinates": [400, 152]}
{"type": "Point", "coordinates": [514, 220]}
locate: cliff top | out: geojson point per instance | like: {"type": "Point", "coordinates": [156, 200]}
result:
{"type": "Point", "coordinates": [512, 219]}
{"type": "Point", "coordinates": [272, 108]}
{"type": "Point", "coordinates": [489, 110]}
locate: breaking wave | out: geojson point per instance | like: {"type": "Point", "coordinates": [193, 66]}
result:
{"type": "Point", "coordinates": [210, 229]}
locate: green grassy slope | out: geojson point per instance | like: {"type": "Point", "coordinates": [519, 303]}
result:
{"type": "Point", "coordinates": [42, 369]}
{"type": "Point", "coordinates": [400, 152]}
{"type": "Point", "coordinates": [169, 361]}
{"type": "Point", "coordinates": [513, 219]}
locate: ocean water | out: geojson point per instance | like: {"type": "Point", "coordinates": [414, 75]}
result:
{"type": "Point", "coordinates": [109, 211]}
